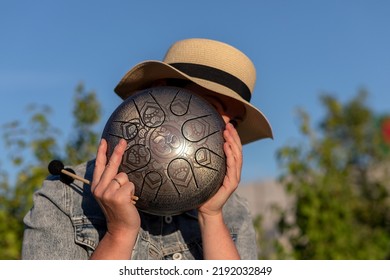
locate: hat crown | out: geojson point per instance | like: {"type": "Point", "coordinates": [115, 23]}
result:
{"type": "Point", "coordinates": [216, 55]}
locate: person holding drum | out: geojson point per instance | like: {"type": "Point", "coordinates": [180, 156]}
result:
{"type": "Point", "coordinates": [98, 221]}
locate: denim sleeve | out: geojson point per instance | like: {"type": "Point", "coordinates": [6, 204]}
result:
{"type": "Point", "coordinates": [49, 232]}
{"type": "Point", "coordinates": [239, 221]}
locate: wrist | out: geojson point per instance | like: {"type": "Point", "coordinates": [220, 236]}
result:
{"type": "Point", "coordinates": [116, 246]}
{"type": "Point", "coordinates": [216, 237]}
{"type": "Point", "coordinates": [214, 219]}
{"type": "Point", "coordinates": [120, 235]}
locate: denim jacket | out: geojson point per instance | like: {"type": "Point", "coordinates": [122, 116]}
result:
{"type": "Point", "coordinates": [66, 222]}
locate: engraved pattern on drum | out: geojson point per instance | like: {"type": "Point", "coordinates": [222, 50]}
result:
{"type": "Point", "coordinates": [174, 153]}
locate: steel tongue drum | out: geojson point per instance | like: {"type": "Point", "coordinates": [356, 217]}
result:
{"type": "Point", "coordinates": [174, 153]}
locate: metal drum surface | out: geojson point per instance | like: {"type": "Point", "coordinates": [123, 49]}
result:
{"type": "Point", "coordinates": [174, 152]}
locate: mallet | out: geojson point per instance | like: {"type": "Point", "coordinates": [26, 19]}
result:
{"type": "Point", "coordinates": [56, 167]}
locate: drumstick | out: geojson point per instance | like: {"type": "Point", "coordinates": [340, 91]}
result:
{"type": "Point", "coordinates": [56, 167]}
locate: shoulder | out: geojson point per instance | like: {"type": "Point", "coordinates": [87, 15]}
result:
{"type": "Point", "coordinates": [237, 216]}
{"type": "Point", "coordinates": [65, 221]}
{"type": "Point", "coordinates": [66, 195]}
{"type": "Point", "coordinates": [239, 221]}
{"type": "Point", "coordinates": [236, 207]}
{"type": "Point", "coordinates": [74, 198]}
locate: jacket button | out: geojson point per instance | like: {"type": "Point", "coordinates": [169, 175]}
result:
{"type": "Point", "coordinates": [177, 256]}
{"type": "Point", "coordinates": [168, 219]}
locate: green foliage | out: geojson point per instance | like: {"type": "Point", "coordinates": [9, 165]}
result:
{"type": "Point", "coordinates": [31, 146]}
{"type": "Point", "coordinates": [269, 247]}
{"type": "Point", "coordinates": [87, 112]}
{"type": "Point", "coordinates": [338, 176]}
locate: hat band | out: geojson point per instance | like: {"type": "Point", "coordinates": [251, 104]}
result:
{"type": "Point", "coordinates": [215, 75]}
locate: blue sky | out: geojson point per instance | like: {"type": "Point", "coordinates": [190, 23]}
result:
{"type": "Point", "coordinates": [301, 49]}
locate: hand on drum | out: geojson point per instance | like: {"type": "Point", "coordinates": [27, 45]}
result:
{"type": "Point", "coordinates": [233, 151]}
{"type": "Point", "coordinates": [114, 192]}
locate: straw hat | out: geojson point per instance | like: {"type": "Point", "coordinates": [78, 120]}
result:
{"type": "Point", "coordinates": [212, 65]}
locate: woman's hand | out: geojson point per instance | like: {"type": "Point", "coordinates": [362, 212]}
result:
{"type": "Point", "coordinates": [216, 238]}
{"type": "Point", "coordinates": [233, 151]}
{"type": "Point", "coordinates": [113, 191]}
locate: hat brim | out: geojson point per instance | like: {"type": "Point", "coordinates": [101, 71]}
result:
{"type": "Point", "coordinates": [255, 126]}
